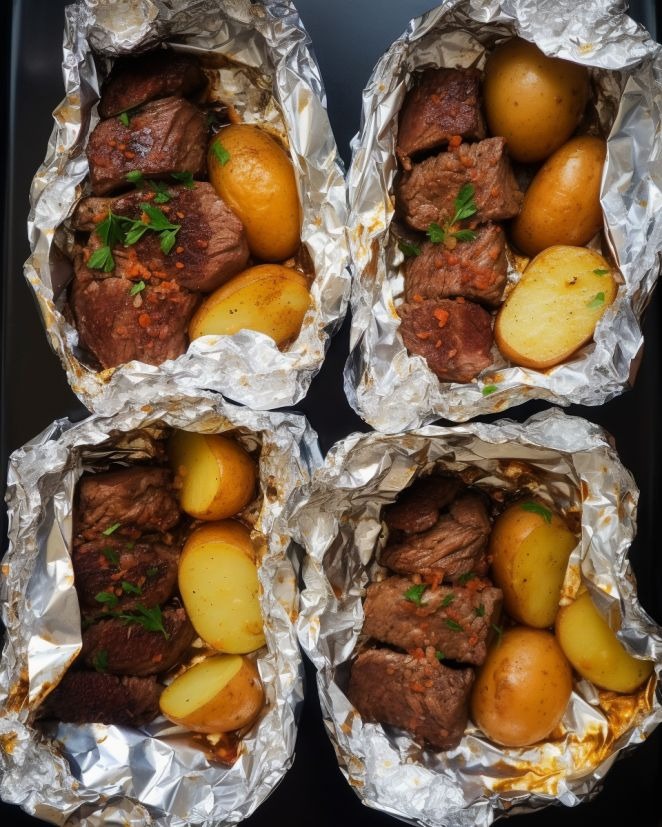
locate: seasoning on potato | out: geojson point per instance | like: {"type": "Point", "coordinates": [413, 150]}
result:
{"type": "Point", "coordinates": [562, 203]}
{"type": "Point", "coordinates": [523, 688]}
{"type": "Point", "coordinates": [217, 475]}
{"type": "Point", "coordinates": [222, 693]}
{"type": "Point", "coordinates": [254, 176]}
{"type": "Point", "coordinates": [555, 307]}
{"type": "Point", "coordinates": [595, 651]}
{"type": "Point", "coordinates": [269, 298]}
{"type": "Point", "coordinates": [536, 102]}
{"type": "Point", "coordinates": [219, 586]}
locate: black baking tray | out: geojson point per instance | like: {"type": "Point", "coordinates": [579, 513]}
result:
{"type": "Point", "coordinates": [348, 36]}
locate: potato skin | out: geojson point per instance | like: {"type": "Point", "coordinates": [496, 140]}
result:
{"type": "Point", "coordinates": [562, 203]}
{"type": "Point", "coordinates": [522, 689]}
{"type": "Point", "coordinates": [594, 650]}
{"type": "Point", "coordinates": [534, 101]}
{"type": "Point", "coordinates": [529, 560]}
{"type": "Point", "coordinates": [258, 184]}
{"type": "Point", "coordinates": [555, 307]}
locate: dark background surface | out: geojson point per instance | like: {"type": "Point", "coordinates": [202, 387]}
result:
{"type": "Point", "coordinates": [348, 36]}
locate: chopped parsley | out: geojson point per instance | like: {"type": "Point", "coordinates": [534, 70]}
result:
{"type": "Point", "coordinates": [439, 655]}
{"type": "Point", "coordinates": [185, 178]}
{"type": "Point", "coordinates": [597, 301]}
{"type": "Point", "coordinates": [124, 119]}
{"type": "Point", "coordinates": [447, 600]}
{"type": "Point", "coordinates": [168, 238]}
{"type": "Point", "coordinates": [453, 625]}
{"type": "Point", "coordinates": [464, 235]}
{"type": "Point", "coordinates": [100, 661]}
{"type": "Point", "coordinates": [101, 259]}
{"type": "Point", "coordinates": [111, 555]}
{"type": "Point", "coordinates": [221, 153]}
{"type": "Point", "coordinates": [538, 509]}
{"type": "Point", "coordinates": [150, 619]}
{"type": "Point", "coordinates": [408, 248]}
{"type": "Point", "coordinates": [162, 193]}
{"type": "Point", "coordinates": [111, 529]}
{"type": "Point", "coordinates": [134, 177]}
{"type": "Point", "coordinates": [480, 610]}
{"type": "Point", "coordinates": [435, 233]}
{"type": "Point", "coordinates": [107, 598]}
{"type": "Point", "coordinates": [465, 207]}
{"type": "Point", "coordinates": [599, 272]}
{"type": "Point", "coordinates": [152, 571]}
{"type": "Point", "coordinates": [414, 594]}
{"type": "Point", "coordinates": [463, 579]}
{"type": "Point", "coordinates": [488, 389]}
{"type": "Point", "coordinates": [137, 287]}
{"type": "Point", "coordinates": [131, 588]}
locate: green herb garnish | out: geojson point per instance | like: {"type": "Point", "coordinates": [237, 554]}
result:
{"type": "Point", "coordinates": [101, 259]}
{"type": "Point", "coordinates": [435, 233]}
{"type": "Point", "coordinates": [499, 633]}
{"type": "Point", "coordinates": [453, 625]}
{"type": "Point", "coordinates": [447, 600]}
{"type": "Point", "coordinates": [439, 655]}
{"type": "Point", "coordinates": [168, 238]}
{"type": "Point", "coordinates": [150, 619]}
{"type": "Point", "coordinates": [408, 248]}
{"type": "Point", "coordinates": [597, 301]}
{"type": "Point", "coordinates": [124, 119]}
{"type": "Point", "coordinates": [131, 588]}
{"type": "Point", "coordinates": [152, 571]}
{"type": "Point", "coordinates": [488, 389]}
{"type": "Point", "coordinates": [100, 661]}
{"type": "Point", "coordinates": [137, 287]}
{"type": "Point", "coordinates": [111, 529]}
{"type": "Point", "coordinates": [465, 207]}
{"type": "Point", "coordinates": [463, 579]}
{"type": "Point", "coordinates": [111, 555]}
{"type": "Point", "coordinates": [480, 610]}
{"type": "Point", "coordinates": [134, 177]}
{"type": "Point", "coordinates": [464, 235]}
{"type": "Point", "coordinates": [185, 178]}
{"type": "Point", "coordinates": [107, 598]}
{"type": "Point", "coordinates": [117, 229]}
{"type": "Point", "coordinates": [221, 153]}
{"type": "Point", "coordinates": [599, 272]}
{"type": "Point", "coordinates": [162, 194]}
{"type": "Point", "coordinates": [538, 509]}
{"type": "Point", "coordinates": [414, 594]}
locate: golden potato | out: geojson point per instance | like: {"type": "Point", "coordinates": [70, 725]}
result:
{"type": "Point", "coordinates": [254, 175]}
{"type": "Point", "coordinates": [530, 546]}
{"type": "Point", "coordinates": [218, 475]}
{"type": "Point", "coordinates": [554, 308]}
{"type": "Point", "coordinates": [268, 298]}
{"type": "Point", "coordinates": [219, 586]}
{"type": "Point", "coordinates": [595, 651]}
{"type": "Point", "coordinates": [534, 101]}
{"type": "Point", "coordinates": [562, 204]}
{"type": "Point", "coordinates": [220, 694]}
{"type": "Point", "coordinates": [522, 689]}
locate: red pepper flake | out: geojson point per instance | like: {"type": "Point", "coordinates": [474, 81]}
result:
{"type": "Point", "coordinates": [437, 344]}
{"type": "Point", "coordinates": [121, 147]}
{"type": "Point", "coordinates": [473, 640]}
{"type": "Point", "coordinates": [112, 143]}
{"type": "Point", "coordinates": [416, 687]}
{"type": "Point", "coordinates": [201, 244]}
{"type": "Point", "coordinates": [423, 336]}
{"type": "Point", "coordinates": [495, 192]}
{"type": "Point", "coordinates": [419, 654]}
{"type": "Point", "coordinates": [144, 218]}
{"type": "Point", "coordinates": [129, 155]}
{"type": "Point", "coordinates": [180, 214]}
{"type": "Point", "coordinates": [460, 299]}
{"type": "Point", "coordinates": [441, 316]}
{"type": "Point", "coordinates": [144, 320]}
{"type": "Point", "coordinates": [455, 140]}
{"type": "Point", "coordinates": [179, 265]}
{"type": "Point", "coordinates": [179, 250]}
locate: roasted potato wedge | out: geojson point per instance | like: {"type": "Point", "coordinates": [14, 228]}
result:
{"type": "Point", "coordinates": [217, 474]}
{"type": "Point", "coordinates": [555, 307]}
{"type": "Point", "coordinates": [219, 694]}
{"type": "Point", "coordinates": [219, 586]}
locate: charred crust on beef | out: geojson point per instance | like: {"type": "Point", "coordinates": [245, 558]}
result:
{"type": "Point", "coordinates": [417, 507]}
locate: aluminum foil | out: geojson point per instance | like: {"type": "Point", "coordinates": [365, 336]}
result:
{"type": "Point", "coordinates": [394, 391]}
{"type": "Point", "coordinates": [92, 774]}
{"type": "Point", "coordinates": [563, 460]}
{"type": "Point", "coordinates": [271, 77]}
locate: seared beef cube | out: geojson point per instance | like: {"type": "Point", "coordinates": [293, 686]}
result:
{"type": "Point", "coordinates": [210, 246]}
{"type": "Point", "coordinates": [134, 81]}
{"type": "Point", "coordinates": [136, 497]}
{"type": "Point", "coordinates": [427, 194]}
{"type": "Point", "coordinates": [122, 648]}
{"type": "Point", "coordinates": [420, 695]}
{"type": "Point", "coordinates": [454, 547]}
{"type": "Point", "coordinates": [474, 269]}
{"type": "Point", "coordinates": [96, 698]}
{"type": "Point", "coordinates": [444, 103]}
{"type": "Point", "coordinates": [166, 136]}
{"type": "Point", "coordinates": [417, 508]}
{"type": "Point", "coordinates": [454, 336]}
{"type": "Point", "coordinates": [115, 575]}
{"type": "Point", "coordinates": [455, 621]}
{"type": "Point", "coordinates": [116, 327]}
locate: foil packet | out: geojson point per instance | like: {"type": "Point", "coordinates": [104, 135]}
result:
{"type": "Point", "coordinates": [158, 775]}
{"type": "Point", "coordinates": [394, 391]}
{"type": "Point", "coordinates": [269, 75]}
{"type": "Point", "coordinates": [563, 460]}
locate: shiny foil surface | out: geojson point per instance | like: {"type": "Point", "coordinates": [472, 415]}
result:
{"type": "Point", "coordinates": [270, 77]}
{"type": "Point", "coordinates": [568, 463]}
{"type": "Point", "coordinates": [94, 774]}
{"type": "Point", "coordinates": [394, 391]}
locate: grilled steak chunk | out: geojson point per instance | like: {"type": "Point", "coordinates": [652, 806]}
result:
{"type": "Point", "coordinates": [210, 246]}
{"type": "Point", "coordinates": [474, 269]}
{"type": "Point", "coordinates": [131, 649]}
{"type": "Point", "coordinates": [456, 621]}
{"type": "Point", "coordinates": [454, 336]}
{"type": "Point", "coordinates": [417, 508]}
{"type": "Point", "coordinates": [454, 547]}
{"type": "Point", "coordinates": [168, 135]}
{"type": "Point", "coordinates": [427, 194]}
{"type": "Point", "coordinates": [424, 697]}
{"type": "Point", "coordinates": [444, 103]}
{"type": "Point", "coordinates": [92, 697]}
{"type": "Point", "coordinates": [134, 81]}
{"type": "Point", "coordinates": [136, 497]}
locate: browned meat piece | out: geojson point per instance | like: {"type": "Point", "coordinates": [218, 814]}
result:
{"type": "Point", "coordinates": [420, 695]}
{"type": "Point", "coordinates": [473, 269]}
{"type": "Point", "coordinates": [444, 103]}
{"type": "Point", "coordinates": [168, 135]}
{"type": "Point", "coordinates": [454, 336]}
{"type": "Point", "coordinates": [114, 646]}
{"type": "Point", "coordinates": [116, 327]}
{"type": "Point", "coordinates": [456, 621]}
{"type": "Point", "coordinates": [139, 497]}
{"type": "Point", "coordinates": [454, 547]}
{"type": "Point", "coordinates": [95, 698]}
{"type": "Point", "coordinates": [134, 81]}
{"type": "Point", "coordinates": [417, 507]}
{"type": "Point", "coordinates": [210, 247]}
{"type": "Point", "coordinates": [119, 575]}
{"type": "Point", "coordinates": [427, 194]}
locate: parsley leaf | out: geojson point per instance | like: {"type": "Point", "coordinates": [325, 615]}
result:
{"type": "Point", "coordinates": [463, 579]}
{"type": "Point", "coordinates": [439, 655]}
{"type": "Point", "coordinates": [185, 178]}
{"type": "Point", "coordinates": [464, 203]}
{"type": "Point", "coordinates": [414, 594]}
{"type": "Point", "coordinates": [123, 118]}
{"type": "Point", "coordinates": [100, 661]}
{"type": "Point", "coordinates": [538, 509]}
{"type": "Point", "coordinates": [162, 195]}
{"type": "Point", "coordinates": [499, 632]}
{"type": "Point", "coordinates": [480, 610]}
{"type": "Point", "coordinates": [150, 619]}
{"type": "Point", "coordinates": [134, 177]}
{"type": "Point", "coordinates": [435, 233]}
{"type": "Point", "coordinates": [168, 240]}
{"type": "Point", "coordinates": [447, 600]}
{"type": "Point", "coordinates": [137, 287]}
{"type": "Point", "coordinates": [157, 218]}
{"type": "Point", "coordinates": [111, 555]}
{"type": "Point", "coordinates": [131, 588]}
{"type": "Point", "coordinates": [453, 625]}
{"type": "Point", "coordinates": [221, 153]}
{"type": "Point", "coordinates": [599, 272]}
{"type": "Point", "coordinates": [101, 259]}
{"type": "Point", "coordinates": [408, 248]}
{"type": "Point", "coordinates": [597, 301]}
{"type": "Point", "coordinates": [152, 571]}
{"type": "Point", "coordinates": [488, 389]}
{"type": "Point", "coordinates": [136, 232]}
{"type": "Point", "coordinates": [464, 235]}
{"type": "Point", "coordinates": [111, 529]}
{"type": "Point", "coordinates": [108, 598]}
{"type": "Point", "coordinates": [110, 229]}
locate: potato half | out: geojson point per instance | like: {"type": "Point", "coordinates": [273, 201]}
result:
{"type": "Point", "coordinates": [530, 546]}
{"type": "Point", "coordinates": [219, 586]}
{"type": "Point", "coordinates": [555, 307]}
{"type": "Point", "coordinates": [268, 298]}
{"type": "Point", "coordinates": [220, 694]}
{"type": "Point", "coordinates": [595, 651]}
{"type": "Point", "coordinates": [217, 474]}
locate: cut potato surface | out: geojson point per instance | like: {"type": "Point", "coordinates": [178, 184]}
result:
{"type": "Point", "coordinates": [555, 307]}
